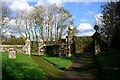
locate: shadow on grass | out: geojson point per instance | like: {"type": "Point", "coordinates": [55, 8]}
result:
{"type": "Point", "coordinates": [109, 63]}
{"type": "Point", "coordinates": [18, 70]}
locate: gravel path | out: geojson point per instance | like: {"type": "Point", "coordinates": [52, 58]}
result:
{"type": "Point", "coordinates": [82, 68]}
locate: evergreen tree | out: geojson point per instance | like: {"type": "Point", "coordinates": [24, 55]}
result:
{"type": "Point", "coordinates": [111, 22]}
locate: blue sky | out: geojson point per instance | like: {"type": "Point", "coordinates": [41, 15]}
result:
{"type": "Point", "coordinates": [83, 12]}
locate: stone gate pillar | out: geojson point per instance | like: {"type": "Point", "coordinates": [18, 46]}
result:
{"type": "Point", "coordinates": [70, 40]}
{"type": "Point", "coordinates": [27, 46]}
{"type": "Point", "coordinates": [96, 40]}
{"type": "Point", "coordinates": [40, 47]}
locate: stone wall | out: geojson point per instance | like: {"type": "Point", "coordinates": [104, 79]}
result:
{"type": "Point", "coordinates": [7, 48]}
{"type": "Point", "coordinates": [26, 49]}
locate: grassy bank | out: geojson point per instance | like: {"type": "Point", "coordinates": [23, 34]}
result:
{"type": "Point", "coordinates": [110, 64]}
{"type": "Point", "coordinates": [22, 67]}
{"type": "Point", "coordinates": [61, 62]}
{"type": "Point", "coordinates": [50, 70]}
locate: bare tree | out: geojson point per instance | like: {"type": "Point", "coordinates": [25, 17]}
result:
{"type": "Point", "coordinates": [4, 20]}
{"type": "Point", "coordinates": [47, 22]}
{"type": "Point", "coordinates": [52, 17]}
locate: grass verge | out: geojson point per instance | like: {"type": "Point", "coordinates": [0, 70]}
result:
{"type": "Point", "coordinates": [50, 70]}
{"type": "Point", "coordinates": [61, 62]}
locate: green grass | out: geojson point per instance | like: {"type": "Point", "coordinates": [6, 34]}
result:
{"type": "Point", "coordinates": [50, 70]}
{"type": "Point", "coordinates": [61, 62]}
{"type": "Point", "coordinates": [110, 64]}
{"type": "Point", "coordinates": [21, 68]}
{"type": "Point", "coordinates": [0, 66]}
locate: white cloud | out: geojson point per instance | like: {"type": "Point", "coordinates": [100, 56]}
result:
{"type": "Point", "coordinates": [84, 26]}
{"type": "Point", "coordinates": [85, 30]}
{"type": "Point", "coordinates": [17, 6]}
{"type": "Point", "coordinates": [45, 2]}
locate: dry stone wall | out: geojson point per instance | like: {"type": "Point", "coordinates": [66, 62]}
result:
{"type": "Point", "coordinates": [7, 48]}
{"type": "Point", "coordinates": [26, 49]}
